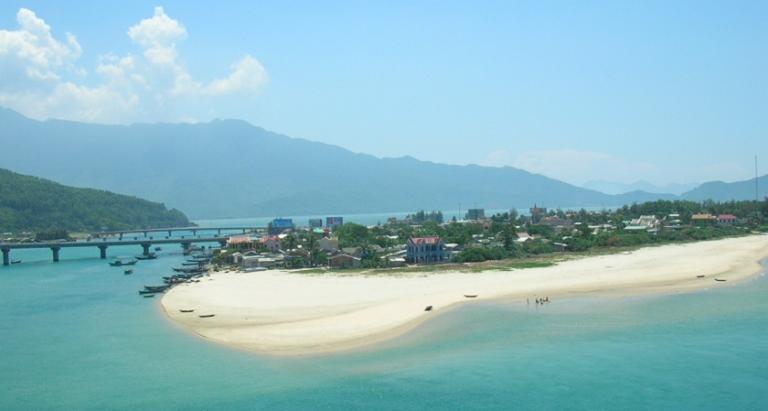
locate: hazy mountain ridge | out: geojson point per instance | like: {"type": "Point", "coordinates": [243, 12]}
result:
{"type": "Point", "coordinates": [229, 168]}
{"type": "Point", "coordinates": [612, 187]}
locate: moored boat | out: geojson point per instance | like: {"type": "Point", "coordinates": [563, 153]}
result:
{"type": "Point", "coordinates": [120, 263]}
{"type": "Point", "coordinates": [206, 315]}
{"type": "Point", "coordinates": [15, 261]}
{"type": "Point", "coordinates": [128, 272]}
{"type": "Point", "coordinates": [470, 295]}
{"type": "Point", "coordinates": [187, 311]}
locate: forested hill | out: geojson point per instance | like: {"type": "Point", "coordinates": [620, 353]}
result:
{"type": "Point", "coordinates": [31, 203]}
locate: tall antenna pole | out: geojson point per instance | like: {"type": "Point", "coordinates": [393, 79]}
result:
{"type": "Point", "coordinates": [756, 195]}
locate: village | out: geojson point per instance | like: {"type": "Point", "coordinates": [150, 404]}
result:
{"type": "Point", "coordinates": [424, 238]}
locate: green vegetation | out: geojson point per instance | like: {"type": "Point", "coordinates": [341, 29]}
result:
{"type": "Point", "coordinates": [35, 204]}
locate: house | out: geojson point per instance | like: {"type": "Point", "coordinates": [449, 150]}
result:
{"type": "Point", "coordinates": [643, 223]}
{"type": "Point", "coordinates": [673, 221]}
{"type": "Point", "coordinates": [557, 223]}
{"type": "Point", "coordinates": [261, 260]}
{"type": "Point", "coordinates": [726, 219]}
{"type": "Point", "coordinates": [315, 222]}
{"type": "Point", "coordinates": [328, 245]}
{"type": "Point", "coordinates": [343, 261]}
{"type": "Point", "coordinates": [703, 218]}
{"type": "Point", "coordinates": [271, 242]}
{"type": "Point", "coordinates": [425, 250]}
{"type": "Point", "coordinates": [333, 222]}
{"type": "Point", "coordinates": [475, 214]}
{"type": "Point", "coordinates": [239, 241]}
{"type": "Point", "coordinates": [278, 225]}
{"type": "Point", "coordinates": [236, 258]}
{"type": "Point", "coordinates": [523, 237]}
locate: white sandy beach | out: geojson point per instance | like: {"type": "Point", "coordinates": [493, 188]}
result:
{"type": "Point", "coordinates": [280, 312]}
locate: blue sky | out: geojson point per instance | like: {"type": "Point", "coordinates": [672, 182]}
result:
{"type": "Point", "coordinates": [618, 91]}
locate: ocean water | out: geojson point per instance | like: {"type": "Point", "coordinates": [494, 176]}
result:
{"type": "Point", "coordinates": [76, 336]}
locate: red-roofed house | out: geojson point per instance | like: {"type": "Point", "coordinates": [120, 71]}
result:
{"type": "Point", "coordinates": [726, 219]}
{"type": "Point", "coordinates": [425, 250]}
{"type": "Point", "coordinates": [239, 241]}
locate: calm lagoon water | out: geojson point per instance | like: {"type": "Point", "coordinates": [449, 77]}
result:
{"type": "Point", "coordinates": [76, 336]}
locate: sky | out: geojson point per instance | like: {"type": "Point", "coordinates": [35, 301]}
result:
{"type": "Point", "coordinates": [666, 92]}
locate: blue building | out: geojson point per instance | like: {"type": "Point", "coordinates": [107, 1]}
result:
{"type": "Point", "coordinates": [333, 222]}
{"type": "Point", "coordinates": [278, 225]}
{"type": "Point", "coordinates": [426, 250]}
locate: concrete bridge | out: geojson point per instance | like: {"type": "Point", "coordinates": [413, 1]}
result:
{"type": "Point", "coordinates": [170, 230]}
{"type": "Point", "coordinates": [102, 245]}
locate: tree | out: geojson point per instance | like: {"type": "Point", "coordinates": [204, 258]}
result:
{"type": "Point", "coordinates": [289, 242]}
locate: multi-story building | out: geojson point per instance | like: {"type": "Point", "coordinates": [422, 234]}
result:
{"type": "Point", "coordinates": [426, 250]}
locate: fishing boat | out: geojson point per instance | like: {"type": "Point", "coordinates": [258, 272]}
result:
{"type": "Point", "coordinates": [145, 292]}
{"type": "Point", "coordinates": [15, 261]}
{"type": "Point", "coordinates": [150, 256]}
{"type": "Point", "coordinates": [156, 288]}
{"type": "Point", "coordinates": [429, 308]}
{"type": "Point", "coordinates": [120, 263]}
{"type": "Point", "coordinates": [128, 272]}
{"type": "Point", "coordinates": [470, 295]}
{"type": "Point", "coordinates": [206, 315]}
{"type": "Point", "coordinates": [148, 296]}
{"type": "Point", "coordinates": [158, 248]}
{"type": "Point", "coordinates": [720, 279]}
{"type": "Point", "coordinates": [187, 311]}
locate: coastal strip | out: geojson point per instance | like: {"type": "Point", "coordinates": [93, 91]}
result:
{"type": "Point", "coordinates": [285, 312]}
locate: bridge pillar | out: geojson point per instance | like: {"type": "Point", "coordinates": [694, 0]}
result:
{"type": "Point", "coordinates": [55, 254]}
{"type": "Point", "coordinates": [102, 251]}
{"type": "Point", "coordinates": [218, 231]}
{"type": "Point", "coordinates": [169, 233]}
{"type": "Point", "coordinates": [121, 236]}
{"type": "Point", "coordinates": [6, 256]}
{"type": "Point", "coordinates": [145, 246]}
{"type": "Point", "coordinates": [185, 245]}
{"type": "Point", "coordinates": [194, 232]}
{"type": "Point", "coordinates": [243, 230]}
{"type": "Point", "coordinates": [145, 233]}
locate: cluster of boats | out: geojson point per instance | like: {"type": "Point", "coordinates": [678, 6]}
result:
{"type": "Point", "coordinates": [190, 272]}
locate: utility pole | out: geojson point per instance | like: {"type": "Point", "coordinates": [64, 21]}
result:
{"type": "Point", "coordinates": [756, 195]}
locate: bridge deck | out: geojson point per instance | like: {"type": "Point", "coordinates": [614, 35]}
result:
{"type": "Point", "coordinates": [56, 246]}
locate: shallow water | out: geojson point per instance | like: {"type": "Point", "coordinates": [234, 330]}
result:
{"type": "Point", "coordinates": [75, 335]}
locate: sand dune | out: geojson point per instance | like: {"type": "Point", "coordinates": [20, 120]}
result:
{"type": "Point", "coordinates": [280, 312]}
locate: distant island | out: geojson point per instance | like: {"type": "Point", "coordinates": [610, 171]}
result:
{"type": "Point", "coordinates": [37, 205]}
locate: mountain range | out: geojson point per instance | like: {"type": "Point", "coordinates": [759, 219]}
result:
{"type": "Point", "coordinates": [230, 168]}
{"type": "Point", "coordinates": [612, 187]}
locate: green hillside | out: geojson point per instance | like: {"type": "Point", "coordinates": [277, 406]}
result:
{"type": "Point", "coordinates": [31, 203]}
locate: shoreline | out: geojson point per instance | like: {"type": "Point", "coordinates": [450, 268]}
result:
{"type": "Point", "coordinates": [287, 313]}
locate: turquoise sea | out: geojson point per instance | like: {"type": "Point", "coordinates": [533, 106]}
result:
{"type": "Point", "coordinates": [76, 336]}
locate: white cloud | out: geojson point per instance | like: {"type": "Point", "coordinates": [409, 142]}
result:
{"type": "Point", "coordinates": [32, 53]}
{"type": "Point", "coordinates": [39, 75]}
